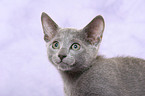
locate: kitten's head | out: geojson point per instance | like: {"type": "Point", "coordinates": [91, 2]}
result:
{"type": "Point", "coordinates": [71, 49]}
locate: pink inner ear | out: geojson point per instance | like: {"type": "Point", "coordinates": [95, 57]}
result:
{"type": "Point", "coordinates": [94, 39]}
{"type": "Point", "coordinates": [46, 38]}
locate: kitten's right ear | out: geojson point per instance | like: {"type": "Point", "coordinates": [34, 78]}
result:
{"type": "Point", "coordinates": [49, 27]}
{"type": "Point", "coordinates": [94, 30]}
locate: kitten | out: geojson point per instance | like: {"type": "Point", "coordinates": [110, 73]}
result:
{"type": "Point", "coordinates": [74, 53]}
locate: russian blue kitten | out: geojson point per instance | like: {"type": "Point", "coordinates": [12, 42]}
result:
{"type": "Point", "coordinates": [74, 53]}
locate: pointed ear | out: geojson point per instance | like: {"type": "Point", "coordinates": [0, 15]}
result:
{"type": "Point", "coordinates": [94, 30]}
{"type": "Point", "coordinates": [49, 27]}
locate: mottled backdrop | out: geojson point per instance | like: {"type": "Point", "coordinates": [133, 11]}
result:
{"type": "Point", "coordinates": [24, 68]}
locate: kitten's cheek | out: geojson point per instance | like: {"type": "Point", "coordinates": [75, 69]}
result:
{"type": "Point", "coordinates": [55, 60]}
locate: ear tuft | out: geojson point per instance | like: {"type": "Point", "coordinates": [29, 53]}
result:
{"type": "Point", "coordinates": [94, 30]}
{"type": "Point", "coordinates": [49, 27]}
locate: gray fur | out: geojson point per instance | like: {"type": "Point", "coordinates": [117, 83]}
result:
{"type": "Point", "coordinates": [84, 72]}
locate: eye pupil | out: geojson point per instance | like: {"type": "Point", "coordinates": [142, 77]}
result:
{"type": "Point", "coordinates": [75, 46]}
{"type": "Point", "coordinates": [56, 44]}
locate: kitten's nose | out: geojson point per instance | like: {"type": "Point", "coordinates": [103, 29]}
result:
{"type": "Point", "coordinates": [62, 56]}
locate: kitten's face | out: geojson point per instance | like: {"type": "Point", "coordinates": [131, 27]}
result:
{"type": "Point", "coordinates": [71, 49]}
{"type": "Point", "coordinates": [68, 50]}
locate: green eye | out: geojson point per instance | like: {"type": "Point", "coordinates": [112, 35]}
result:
{"type": "Point", "coordinates": [75, 46]}
{"type": "Point", "coordinates": [55, 45]}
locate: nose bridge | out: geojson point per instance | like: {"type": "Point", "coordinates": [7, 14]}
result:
{"type": "Point", "coordinates": [63, 51]}
{"type": "Point", "coordinates": [65, 43]}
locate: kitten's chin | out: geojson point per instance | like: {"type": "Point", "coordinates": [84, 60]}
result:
{"type": "Point", "coordinates": [64, 67]}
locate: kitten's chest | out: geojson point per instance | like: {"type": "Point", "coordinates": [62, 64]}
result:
{"type": "Point", "coordinates": [91, 84]}
{"type": "Point", "coordinates": [73, 90]}
{"type": "Point", "coordinates": [84, 88]}
{"type": "Point", "coordinates": [81, 87]}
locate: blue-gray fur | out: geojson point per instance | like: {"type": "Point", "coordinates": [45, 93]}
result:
{"type": "Point", "coordinates": [83, 71]}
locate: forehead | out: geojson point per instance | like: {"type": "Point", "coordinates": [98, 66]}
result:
{"type": "Point", "coordinates": [68, 34]}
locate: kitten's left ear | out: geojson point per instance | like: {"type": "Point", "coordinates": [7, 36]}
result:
{"type": "Point", "coordinates": [94, 30]}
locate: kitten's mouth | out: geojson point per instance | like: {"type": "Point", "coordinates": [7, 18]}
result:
{"type": "Point", "coordinates": [64, 66]}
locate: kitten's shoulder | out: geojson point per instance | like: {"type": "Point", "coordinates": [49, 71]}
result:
{"type": "Point", "coordinates": [117, 65]}
{"type": "Point", "coordinates": [102, 64]}
{"type": "Point", "coordinates": [123, 60]}
{"type": "Point", "coordinates": [129, 60]}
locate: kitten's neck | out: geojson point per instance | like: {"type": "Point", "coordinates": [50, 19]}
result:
{"type": "Point", "coordinates": [71, 77]}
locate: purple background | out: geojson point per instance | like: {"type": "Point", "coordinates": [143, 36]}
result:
{"type": "Point", "coordinates": [24, 68]}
